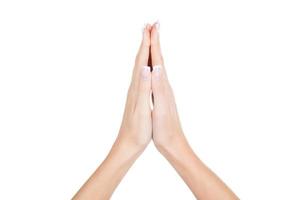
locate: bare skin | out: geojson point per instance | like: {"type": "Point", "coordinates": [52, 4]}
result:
{"type": "Point", "coordinates": [140, 125]}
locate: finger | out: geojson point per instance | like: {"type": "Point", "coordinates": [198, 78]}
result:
{"type": "Point", "coordinates": [159, 77]}
{"type": "Point", "coordinates": [140, 61]}
{"type": "Point", "coordinates": [144, 91]}
{"type": "Point", "coordinates": [143, 53]}
{"type": "Point", "coordinates": [142, 56]}
{"type": "Point", "coordinates": [155, 50]}
{"type": "Point", "coordinates": [156, 55]}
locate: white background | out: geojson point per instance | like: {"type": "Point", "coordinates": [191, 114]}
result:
{"type": "Point", "coordinates": [64, 71]}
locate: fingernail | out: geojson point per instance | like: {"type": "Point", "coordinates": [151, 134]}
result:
{"type": "Point", "coordinates": [156, 71]}
{"type": "Point", "coordinates": [157, 25]}
{"type": "Point", "coordinates": [146, 72]}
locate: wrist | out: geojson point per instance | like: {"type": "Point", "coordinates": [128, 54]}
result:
{"type": "Point", "coordinates": [128, 146]}
{"type": "Point", "coordinates": [173, 145]}
{"type": "Point", "coordinates": [136, 139]}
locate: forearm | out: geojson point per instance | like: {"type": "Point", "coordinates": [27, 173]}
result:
{"type": "Point", "coordinates": [200, 179]}
{"type": "Point", "coordinates": [109, 174]}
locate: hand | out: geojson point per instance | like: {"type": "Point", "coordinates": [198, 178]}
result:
{"type": "Point", "coordinates": [135, 132]}
{"type": "Point", "coordinates": [170, 140]}
{"type": "Point", "coordinates": [136, 128]}
{"type": "Point", "coordinates": [165, 120]}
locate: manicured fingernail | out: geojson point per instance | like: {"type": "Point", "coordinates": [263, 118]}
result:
{"type": "Point", "coordinates": [157, 25]}
{"type": "Point", "coordinates": [156, 71]}
{"type": "Point", "coordinates": [146, 72]}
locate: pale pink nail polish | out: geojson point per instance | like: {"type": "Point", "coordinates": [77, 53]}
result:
{"type": "Point", "coordinates": [157, 25]}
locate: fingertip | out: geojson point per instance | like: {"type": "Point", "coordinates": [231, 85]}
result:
{"type": "Point", "coordinates": [157, 26]}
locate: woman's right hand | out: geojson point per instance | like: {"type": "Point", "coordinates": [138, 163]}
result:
{"type": "Point", "coordinates": [170, 140]}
